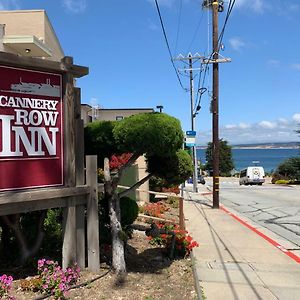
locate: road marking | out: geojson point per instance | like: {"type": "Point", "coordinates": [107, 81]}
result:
{"type": "Point", "coordinates": [268, 239]}
{"type": "Point", "coordinates": [206, 193]}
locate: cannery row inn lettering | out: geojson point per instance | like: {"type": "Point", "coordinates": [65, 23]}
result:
{"type": "Point", "coordinates": [9, 101]}
{"type": "Point", "coordinates": [34, 129]}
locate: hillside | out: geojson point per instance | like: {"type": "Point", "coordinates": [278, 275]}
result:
{"type": "Point", "coordinates": [289, 145]}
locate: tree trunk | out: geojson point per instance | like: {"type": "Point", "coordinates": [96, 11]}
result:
{"type": "Point", "coordinates": [118, 257]}
{"type": "Point", "coordinates": [135, 186]}
{"type": "Point", "coordinates": [5, 239]}
{"type": "Point", "coordinates": [13, 222]}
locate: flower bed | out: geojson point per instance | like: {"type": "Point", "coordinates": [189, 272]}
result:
{"type": "Point", "coordinates": [184, 243]}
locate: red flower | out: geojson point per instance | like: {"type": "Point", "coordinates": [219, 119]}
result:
{"type": "Point", "coordinates": [189, 238]}
{"type": "Point", "coordinates": [117, 161]}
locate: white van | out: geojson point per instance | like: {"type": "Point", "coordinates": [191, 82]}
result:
{"type": "Point", "coordinates": [252, 175]}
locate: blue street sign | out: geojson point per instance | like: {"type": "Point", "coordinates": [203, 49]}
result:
{"type": "Point", "coordinates": [191, 133]}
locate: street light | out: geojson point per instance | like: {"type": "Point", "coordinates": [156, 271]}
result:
{"type": "Point", "coordinates": [160, 107]}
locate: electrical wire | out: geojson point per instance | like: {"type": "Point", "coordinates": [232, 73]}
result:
{"type": "Point", "coordinates": [199, 94]}
{"type": "Point", "coordinates": [167, 43]}
{"type": "Point", "coordinates": [196, 31]}
{"type": "Point", "coordinates": [178, 26]}
{"type": "Point", "coordinates": [220, 39]}
{"type": "Point", "coordinates": [206, 69]}
{"type": "Point", "coordinates": [229, 10]}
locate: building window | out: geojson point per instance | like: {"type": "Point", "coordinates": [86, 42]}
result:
{"type": "Point", "coordinates": [118, 118]}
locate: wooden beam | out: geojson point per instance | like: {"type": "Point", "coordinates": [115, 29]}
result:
{"type": "Point", "coordinates": [69, 126]}
{"type": "Point", "coordinates": [28, 206]}
{"type": "Point", "coordinates": [150, 192]}
{"type": "Point", "coordinates": [79, 141]}
{"type": "Point", "coordinates": [42, 194]}
{"type": "Point", "coordinates": [69, 236]}
{"type": "Point", "coordinates": [80, 179]}
{"type": "Point", "coordinates": [13, 60]}
{"type": "Point", "coordinates": [92, 215]}
{"type": "Point", "coordinates": [80, 235]}
{"type": "Point", "coordinates": [157, 219]}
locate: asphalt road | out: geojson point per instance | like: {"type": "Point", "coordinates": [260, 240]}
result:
{"type": "Point", "coordinates": [274, 207]}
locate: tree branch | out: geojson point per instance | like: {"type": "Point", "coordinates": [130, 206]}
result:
{"type": "Point", "coordinates": [40, 233]}
{"type": "Point", "coordinates": [135, 186]}
{"type": "Point", "coordinates": [107, 178]}
{"type": "Point", "coordinates": [130, 161]}
{"type": "Point", "coordinates": [15, 226]}
{"type": "Point", "coordinates": [116, 178]}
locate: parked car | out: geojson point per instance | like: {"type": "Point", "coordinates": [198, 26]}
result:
{"type": "Point", "coordinates": [201, 179]}
{"type": "Point", "coordinates": [252, 175]}
{"type": "Point", "coordinates": [190, 180]}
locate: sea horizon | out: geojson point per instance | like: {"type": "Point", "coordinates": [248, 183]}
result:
{"type": "Point", "coordinates": [269, 158]}
{"type": "Point", "coordinates": [274, 145]}
{"type": "Point", "coordinates": [254, 147]}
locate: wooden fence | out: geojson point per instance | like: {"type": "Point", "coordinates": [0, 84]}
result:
{"type": "Point", "coordinates": [181, 213]}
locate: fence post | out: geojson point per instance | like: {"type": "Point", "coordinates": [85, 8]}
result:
{"type": "Point", "coordinates": [80, 179]}
{"type": "Point", "coordinates": [181, 215]}
{"type": "Point", "coordinates": [69, 235]}
{"type": "Point", "coordinates": [92, 214]}
{"type": "Point", "coordinates": [69, 130]}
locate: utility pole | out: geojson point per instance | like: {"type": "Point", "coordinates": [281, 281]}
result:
{"type": "Point", "coordinates": [195, 172]}
{"type": "Point", "coordinates": [215, 105]}
{"type": "Point", "coordinates": [190, 59]}
{"type": "Point", "coordinates": [216, 6]}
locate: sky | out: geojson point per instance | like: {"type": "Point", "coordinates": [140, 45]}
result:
{"type": "Point", "coordinates": [122, 43]}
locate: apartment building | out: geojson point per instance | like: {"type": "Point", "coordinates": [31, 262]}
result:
{"type": "Point", "coordinates": [29, 33]}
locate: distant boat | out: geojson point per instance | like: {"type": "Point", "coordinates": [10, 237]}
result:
{"type": "Point", "coordinates": [45, 89]}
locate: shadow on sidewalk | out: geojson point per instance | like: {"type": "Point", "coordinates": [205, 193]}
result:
{"type": "Point", "coordinates": [226, 265]}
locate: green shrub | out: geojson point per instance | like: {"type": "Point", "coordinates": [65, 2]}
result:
{"type": "Point", "coordinates": [173, 201]}
{"type": "Point", "coordinates": [129, 211]}
{"type": "Point", "coordinates": [52, 243]}
{"type": "Point", "coordinates": [290, 169]}
{"type": "Point", "coordinates": [276, 176]}
{"type": "Point", "coordinates": [282, 181]}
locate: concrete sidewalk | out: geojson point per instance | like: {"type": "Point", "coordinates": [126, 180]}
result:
{"type": "Point", "coordinates": [234, 262]}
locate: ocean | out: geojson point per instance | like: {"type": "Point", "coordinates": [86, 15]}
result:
{"type": "Point", "coordinates": [268, 158]}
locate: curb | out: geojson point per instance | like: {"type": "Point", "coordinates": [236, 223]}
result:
{"type": "Point", "coordinates": [271, 241]}
{"type": "Point", "coordinates": [198, 288]}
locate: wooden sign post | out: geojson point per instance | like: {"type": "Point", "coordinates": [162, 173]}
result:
{"type": "Point", "coordinates": [41, 150]}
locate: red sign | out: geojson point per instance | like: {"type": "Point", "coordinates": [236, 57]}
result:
{"type": "Point", "coordinates": [31, 129]}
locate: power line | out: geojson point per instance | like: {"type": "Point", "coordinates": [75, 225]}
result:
{"type": "Point", "coordinates": [178, 26]}
{"type": "Point", "coordinates": [199, 94]}
{"type": "Point", "coordinates": [229, 10]}
{"type": "Point", "coordinates": [206, 69]}
{"type": "Point", "coordinates": [196, 31]}
{"type": "Point", "coordinates": [167, 43]}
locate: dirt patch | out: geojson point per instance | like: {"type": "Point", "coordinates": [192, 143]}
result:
{"type": "Point", "coordinates": [151, 276]}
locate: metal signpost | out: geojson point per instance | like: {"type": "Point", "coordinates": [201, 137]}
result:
{"type": "Point", "coordinates": [190, 141]}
